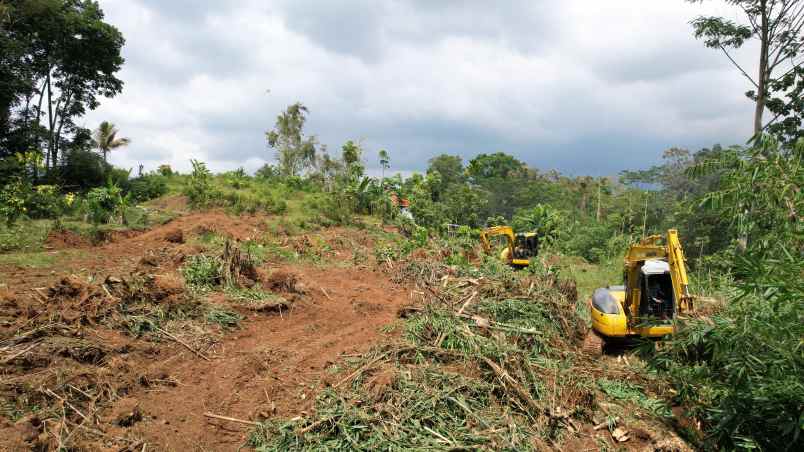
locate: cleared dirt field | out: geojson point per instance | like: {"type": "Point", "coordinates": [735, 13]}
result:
{"type": "Point", "coordinates": [66, 346]}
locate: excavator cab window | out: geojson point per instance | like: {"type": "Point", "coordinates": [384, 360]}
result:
{"type": "Point", "coordinates": [657, 296]}
{"type": "Point", "coordinates": [525, 246]}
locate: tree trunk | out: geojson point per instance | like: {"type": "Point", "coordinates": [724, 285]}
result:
{"type": "Point", "coordinates": [762, 80]}
{"type": "Point", "coordinates": [597, 215]}
{"type": "Point", "coordinates": [49, 121]}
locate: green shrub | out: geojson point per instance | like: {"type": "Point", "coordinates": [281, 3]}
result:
{"type": "Point", "coordinates": [104, 203]}
{"type": "Point", "coordinates": [328, 210]}
{"type": "Point", "coordinates": [199, 187]}
{"type": "Point", "coordinates": [165, 170]}
{"type": "Point", "coordinates": [202, 272]}
{"type": "Point", "coordinates": [119, 177]}
{"type": "Point", "coordinates": [150, 186]}
{"type": "Point", "coordinates": [236, 179]}
{"type": "Point", "coordinates": [595, 242]}
{"type": "Point", "coordinates": [12, 200]}
{"type": "Point", "coordinates": [82, 170]}
{"type": "Point", "coordinates": [226, 319]}
{"type": "Point", "coordinates": [268, 172]}
{"type": "Point", "coordinates": [542, 219]}
{"type": "Point", "coordinates": [740, 371]}
{"type": "Point", "coordinates": [45, 201]}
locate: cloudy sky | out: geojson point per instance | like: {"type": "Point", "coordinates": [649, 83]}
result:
{"type": "Point", "coordinates": [582, 86]}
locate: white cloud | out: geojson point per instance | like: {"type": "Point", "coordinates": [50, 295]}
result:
{"type": "Point", "coordinates": [585, 86]}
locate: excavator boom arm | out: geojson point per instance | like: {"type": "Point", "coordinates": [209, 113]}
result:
{"type": "Point", "coordinates": [678, 269]}
{"type": "Point", "coordinates": [487, 233]}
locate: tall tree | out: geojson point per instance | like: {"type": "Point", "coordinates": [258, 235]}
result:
{"type": "Point", "coordinates": [777, 25]}
{"type": "Point", "coordinates": [294, 151]}
{"type": "Point", "coordinates": [444, 171]}
{"type": "Point", "coordinates": [58, 58]}
{"type": "Point", "coordinates": [106, 139]}
{"type": "Point", "coordinates": [385, 162]}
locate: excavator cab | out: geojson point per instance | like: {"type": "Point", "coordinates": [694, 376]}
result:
{"type": "Point", "coordinates": [519, 248]}
{"type": "Point", "coordinates": [526, 245]}
{"type": "Point", "coordinates": [655, 290]}
{"type": "Point", "coordinates": [656, 294]}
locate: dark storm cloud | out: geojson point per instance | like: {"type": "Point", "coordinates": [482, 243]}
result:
{"type": "Point", "coordinates": [364, 28]}
{"type": "Point", "coordinates": [584, 87]}
{"type": "Point", "coordinates": [181, 41]}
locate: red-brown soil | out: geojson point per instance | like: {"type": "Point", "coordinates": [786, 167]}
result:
{"type": "Point", "coordinates": [273, 365]}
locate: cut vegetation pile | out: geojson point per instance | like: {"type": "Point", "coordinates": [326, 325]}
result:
{"type": "Point", "coordinates": [488, 358]}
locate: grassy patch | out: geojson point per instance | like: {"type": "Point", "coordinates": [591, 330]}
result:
{"type": "Point", "coordinates": [201, 272]}
{"type": "Point", "coordinates": [629, 392]}
{"type": "Point", "coordinates": [225, 318]}
{"type": "Point", "coordinates": [24, 235]}
{"type": "Point", "coordinates": [589, 277]}
{"type": "Point", "coordinates": [40, 259]}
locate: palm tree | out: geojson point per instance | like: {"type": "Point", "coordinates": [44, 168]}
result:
{"type": "Point", "coordinates": [106, 138]}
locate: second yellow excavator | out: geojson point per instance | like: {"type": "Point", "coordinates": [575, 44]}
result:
{"type": "Point", "coordinates": [519, 249]}
{"type": "Point", "coordinates": [655, 291]}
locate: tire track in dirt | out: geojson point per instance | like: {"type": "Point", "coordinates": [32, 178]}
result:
{"type": "Point", "coordinates": [278, 361]}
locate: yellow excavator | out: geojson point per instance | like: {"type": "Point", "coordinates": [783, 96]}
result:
{"type": "Point", "coordinates": [520, 247]}
{"type": "Point", "coordinates": [655, 291]}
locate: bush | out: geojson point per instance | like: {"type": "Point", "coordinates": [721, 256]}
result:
{"type": "Point", "coordinates": [236, 179]}
{"type": "Point", "coordinates": [119, 177]}
{"type": "Point", "coordinates": [12, 200]}
{"type": "Point", "coordinates": [147, 187]}
{"type": "Point", "coordinates": [267, 172]}
{"type": "Point", "coordinates": [542, 219]}
{"type": "Point", "coordinates": [592, 241]}
{"type": "Point", "coordinates": [199, 187]}
{"type": "Point", "coordinates": [104, 203]}
{"type": "Point", "coordinates": [165, 170]}
{"type": "Point", "coordinates": [45, 202]}
{"type": "Point", "coordinates": [82, 170]}
{"type": "Point", "coordinates": [328, 210]}
{"type": "Point", "coordinates": [241, 202]}
{"type": "Point", "coordinates": [740, 371]}
{"type": "Point", "coordinates": [202, 272]}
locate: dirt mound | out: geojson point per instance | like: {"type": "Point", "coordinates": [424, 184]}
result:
{"type": "Point", "coordinates": [142, 360]}
{"type": "Point", "coordinates": [169, 203]}
{"type": "Point", "coordinates": [283, 281]}
{"type": "Point", "coordinates": [66, 239]}
{"type": "Point", "coordinates": [74, 301]}
{"type": "Point", "coordinates": [175, 236]}
{"type": "Point", "coordinates": [167, 257]}
{"type": "Point", "coordinates": [162, 288]}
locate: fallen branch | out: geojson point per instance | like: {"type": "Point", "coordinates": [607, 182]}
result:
{"type": "Point", "coordinates": [326, 294]}
{"type": "Point", "coordinates": [186, 345]}
{"type": "Point", "coordinates": [17, 355]}
{"type": "Point", "coordinates": [468, 302]}
{"type": "Point", "coordinates": [316, 424]}
{"type": "Point", "coordinates": [361, 370]}
{"type": "Point", "coordinates": [230, 419]}
{"type": "Point", "coordinates": [505, 377]}
{"type": "Point", "coordinates": [491, 323]}
{"type": "Point", "coordinates": [53, 394]}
